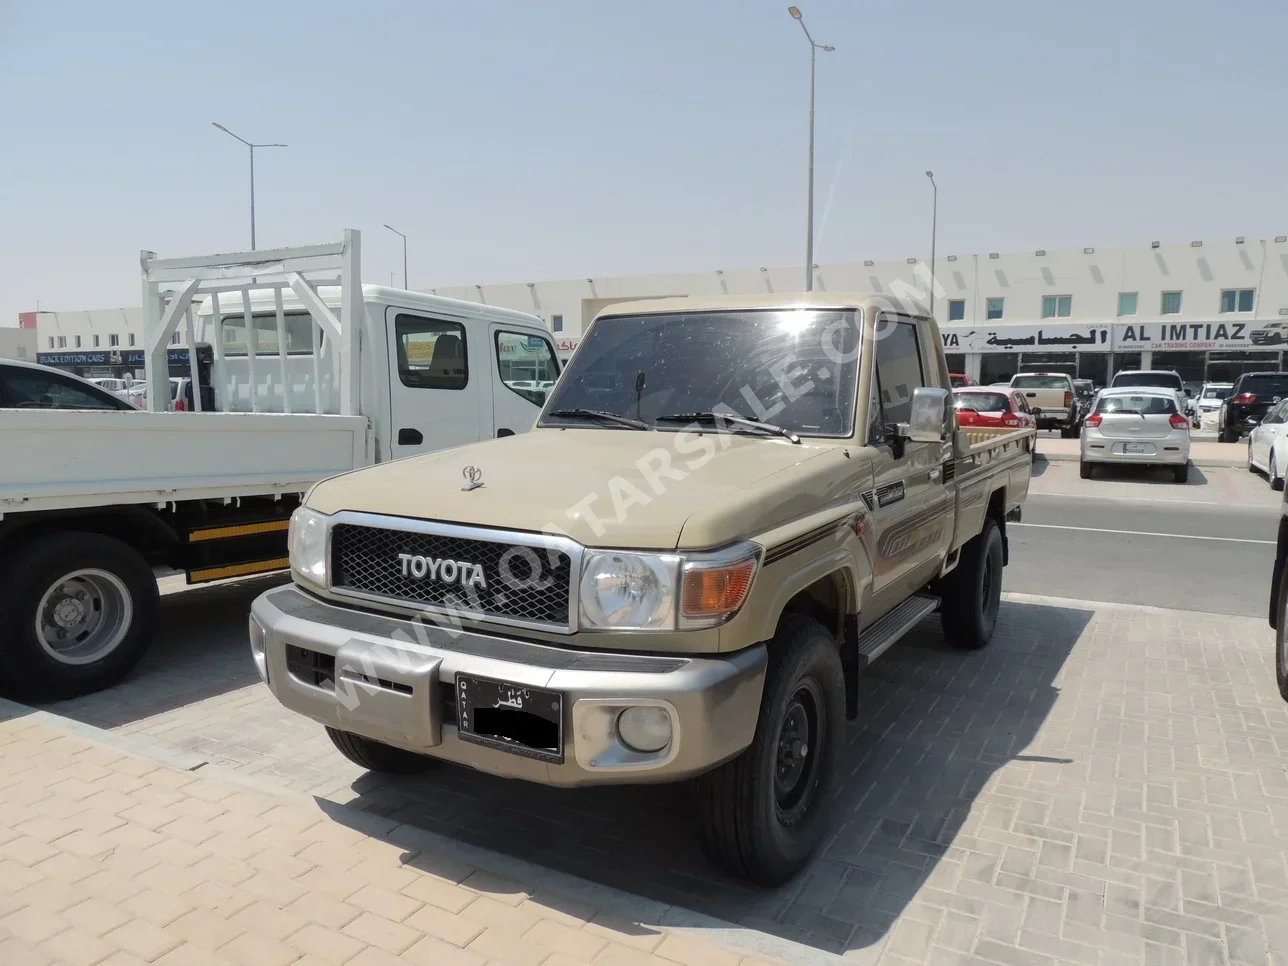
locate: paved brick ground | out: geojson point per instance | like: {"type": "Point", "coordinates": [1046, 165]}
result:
{"type": "Point", "coordinates": [1101, 785]}
{"type": "Point", "coordinates": [107, 858]}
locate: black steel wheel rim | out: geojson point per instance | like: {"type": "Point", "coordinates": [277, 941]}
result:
{"type": "Point", "coordinates": [797, 753]}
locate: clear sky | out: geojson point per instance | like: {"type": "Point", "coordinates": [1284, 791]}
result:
{"type": "Point", "coordinates": [518, 141]}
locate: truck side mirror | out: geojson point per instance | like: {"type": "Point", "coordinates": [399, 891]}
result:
{"type": "Point", "coordinates": [928, 418]}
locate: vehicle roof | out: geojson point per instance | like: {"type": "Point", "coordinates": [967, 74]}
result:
{"type": "Point", "coordinates": [1018, 374]}
{"type": "Point", "coordinates": [1146, 372]}
{"type": "Point", "coordinates": [1137, 391]}
{"type": "Point", "coordinates": [1216, 384]}
{"type": "Point", "coordinates": [991, 388]}
{"type": "Point", "coordinates": [262, 300]}
{"type": "Point", "coordinates": [767, 300]}
{"type": "Point", "coordinates": [1267, 372]}
{"type": "Point", "coordinates": [53, 370]}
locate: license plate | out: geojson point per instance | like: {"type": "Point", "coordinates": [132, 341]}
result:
{"type": "Point", "coordinates": [511, 717]}
{"type": "Point", "coordinates": [1138, 448]}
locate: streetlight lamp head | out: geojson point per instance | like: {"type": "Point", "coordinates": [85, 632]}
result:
{"type": "Point", "coordinates": [827, 49]}
{"type": "Point", "coordinates": [930, 174]}
{"type": "Point", "coordinates": [795, 12]}
{"type": "Point", "coordinates": [221, 127]}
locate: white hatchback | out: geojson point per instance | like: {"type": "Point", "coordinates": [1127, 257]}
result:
{"type": "Point", "coordinates": [1137, 425]}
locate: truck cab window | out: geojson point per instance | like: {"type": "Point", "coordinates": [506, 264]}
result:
{"type": "Point", "coordinates": [527, 365]}
{"type": "Point", "coordinates": [299, 334]}
{"type": "Point", "coordinates": [431, 353]}
{"type": "Point", "coordinates": [899, 369]}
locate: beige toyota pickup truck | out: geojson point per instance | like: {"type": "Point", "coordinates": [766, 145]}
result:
{"type": "Point", "coordinates": [1052, 398]}
{"type": "Point", "coordinates": [728, 508]}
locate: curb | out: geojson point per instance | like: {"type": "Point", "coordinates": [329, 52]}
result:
{"type": "Point", "coordinates": [1204, 462]}
{"type": "Point", "coordinates": [637, 908]}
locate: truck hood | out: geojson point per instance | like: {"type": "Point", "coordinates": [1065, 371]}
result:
{"type": "Point", "coordinates": [607, 488]}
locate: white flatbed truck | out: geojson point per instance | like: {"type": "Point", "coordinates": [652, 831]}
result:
{"type": "Point", "coordinates": [313, 374]}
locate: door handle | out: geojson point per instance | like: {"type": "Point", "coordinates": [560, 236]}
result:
{"type": "Point", "coordinates": [1030, 395]}
{"type": "Point", "coordinates": [410, 437]}
{"type": "Point", "coordinates": [504, 432]}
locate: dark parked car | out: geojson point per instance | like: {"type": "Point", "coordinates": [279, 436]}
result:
{"type": "Point", "coordinates": [26, 385]}
{"type": "Point", "coordinates": [1250, 399]}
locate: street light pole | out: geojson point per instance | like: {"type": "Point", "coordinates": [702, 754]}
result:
{"type": "Point", "coordinates": [404, 238]}
{"type": "Point", "coordinates": [252, 147]}
{"type": "Point", "coordinates": [814, 48]}
{"type": "Point", "coordinates": [934, 231]}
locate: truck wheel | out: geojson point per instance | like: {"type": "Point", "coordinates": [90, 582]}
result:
{"type": "Point", "coordinates": [764, 814]}
{"type": "Point", "coordinates": [76, 614]}
{"type": "Point", "coordinates": [973, 592]}
{"type": "Point", "coordinates": [377, 756]}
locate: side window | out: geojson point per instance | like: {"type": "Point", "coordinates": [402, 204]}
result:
{"type": "Point", "coordinates": [37, 390]}
{"type": "Point", "coordinates": [1277, 414]}
{"type": "Point", "coordinates": [432, 353]}
{"type": "Point", "coordinates": [299, 334]}
{"type": "Point", "coordinates": [527, 365]}
{"type": "Point", "coordinates": [1020, 402]}
{"type": "Point", "coordinates": [899, 368]}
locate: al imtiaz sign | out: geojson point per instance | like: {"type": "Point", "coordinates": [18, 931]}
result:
{"type": "Point", "coordinates": [1182, 335]}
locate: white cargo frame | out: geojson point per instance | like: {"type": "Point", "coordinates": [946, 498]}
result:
{"type": "Point", "coordinates": [172, 285]}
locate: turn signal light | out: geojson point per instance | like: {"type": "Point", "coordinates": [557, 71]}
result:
{"type": "Point", "coordinates": [716, 590]}
{"type": "Point", "coordinates": [1010, 420]}
{"type": "Point", "coordinates": [1094, 420]}
{"type": "Point", "coordinates": [1178, 421]}
{"type": "Point", "coordinates": [1068, 399]}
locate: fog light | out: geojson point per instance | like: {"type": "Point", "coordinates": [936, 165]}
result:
{"type": "Point", "coordinates": [644, 729]}
{"type": "Point", "coordinates": [257, 635]}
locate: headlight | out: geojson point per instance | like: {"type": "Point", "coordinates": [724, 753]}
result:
{"type": "Point", "coordinates": [641, 591]}
{"type": "Point", "coordinates": [628, 591]}
{"type": "Point", "coordinates": [306, 541]}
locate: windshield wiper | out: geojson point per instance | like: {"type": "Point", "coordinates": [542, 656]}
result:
{"type": "Point", "coordinates": [743, 421]}
{"type": "Point", "coordinates": [601, 414]}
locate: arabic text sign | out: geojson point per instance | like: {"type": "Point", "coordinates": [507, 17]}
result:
{"type": "Point", "coordinates": [1026, 338]}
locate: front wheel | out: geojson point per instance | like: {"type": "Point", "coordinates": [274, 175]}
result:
{"type": "Point", "coordinates": [76, 615]}
{"type": "Point", "coordinates": [764, 814]}
{"type": "Point", "coordinates": [1281, 637]}
{"type": "Point", "coordinates": [972, 593]}
{"type": "Point", "coordinates": [1276, 478]}
{"type": "Point", "coordinates": [377, 756]}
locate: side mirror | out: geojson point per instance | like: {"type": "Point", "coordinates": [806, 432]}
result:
{"type": "Point", "coordinates": [1253, 421]}
{"type": "Point", "coordinates": [928, 419]}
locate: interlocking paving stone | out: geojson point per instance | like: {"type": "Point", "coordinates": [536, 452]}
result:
{"type": "Point", "coordinates": [1099, 778]}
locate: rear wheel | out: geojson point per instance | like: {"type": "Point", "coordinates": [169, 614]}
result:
{"type": "Point", "coordinates": [972, 593]}
{"type": "Point", "coordinates": [1084, 470]}
{"type": "Point", "coordinates": [1182, 473]}
{"type": "Point", "coordinates": [764, 814]}
{"type": "Point", "coordinates": [377, 756]}
{"type": "Point", "coordinates": [76, 614]}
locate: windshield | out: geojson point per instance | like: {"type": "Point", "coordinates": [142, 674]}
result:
{"type": "Point", "coordinates": [1168, 380]}
{"type": "Point", "coordinates": [1084, 388]}
{"type": "Point", "coordinates": [1040, 382]}
{"type": "Point", "coordinates": [1215, 392]}
{"type": "Point", "coordinates": [981, 402]}
{"type": "Point", "coordinates": [795, 368]}
{"type": "Point", "coordinates": [1269, 385]}
{"type": "Point", "coordinates": [1146, 405]}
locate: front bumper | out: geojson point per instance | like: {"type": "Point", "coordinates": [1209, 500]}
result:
{"type": "Point", "coordinates": [393, 680]}
{"type": "Point", "coordinates": [1165, 451]}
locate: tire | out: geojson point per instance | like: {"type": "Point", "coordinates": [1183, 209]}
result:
{"type": "Point", "coordinates": [377, 756]}
{"type": "Point", "coordinates": [1223, 436]}
{"type": "Point", "coordinates": [1281, 637]}
{"type": "Point", "coordinates": [1276, 480]}
{"type": "Point", "coordinates": [1182, 473]}
{"type": "Point", "coordinates": [1251, 468]}
{"type": "Point", "coordinates": [756, 823]}
{"type": "Point", "coordinates": [972, 593]}
{"type": "Point", "coordinates": [1085, 470]}
{"type": "Point", "coordinates": [98, 598]}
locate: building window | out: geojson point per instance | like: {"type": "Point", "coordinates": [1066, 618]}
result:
{"type": "Point", "coordinates": [1057, 306]}
{"type": "Point", "coordinates": [174, 339]}
{"type": "Point", "coordinates": [62, 342]}
{"type": "Point", "coordinates": [993, 308]}
{"type": "Point", "coordinates": [131, 337]}
{"type": "Point", "coordinates": [51, 342]}
{"type": "Point", "coordinates": [95, 342]}
{"type": "Point", "coordinates": [1171, 303]}
{"type": "Point", "coordinates": [22, 352]}
{"type": "Point", "coordinates": [556, 323]}
{"type": "Point", "coordinates": [956, 310]}
{"type": "Point", "coordinates": [78, 342]}
{"type": "Point", "coordinates": [1127, 303]}
{"type": "Point", "coordinates": [113, 339]}
{"type": "Point", "coordinates": [1237, 299]}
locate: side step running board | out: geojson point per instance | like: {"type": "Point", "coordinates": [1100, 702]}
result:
{"type": "Point", "coordinates": [891, 627]}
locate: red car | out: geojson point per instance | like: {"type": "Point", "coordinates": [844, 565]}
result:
{"type": "Point", "coordinates": [981, 406]}
{"type": "Point", "coordinates": [957, 380]}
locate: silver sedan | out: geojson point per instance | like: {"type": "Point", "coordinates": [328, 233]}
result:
{"type": "Point", "coordinates": [1136, 425]}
